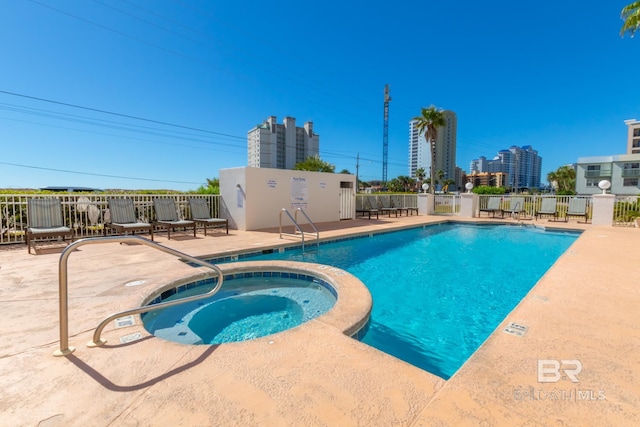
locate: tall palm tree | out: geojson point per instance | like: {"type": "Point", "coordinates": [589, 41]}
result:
{"type": "Point", "coordinates": [630, 14]}
{"type": "Point", "coordinates": [420, 174]}
{"type": "Point", "coordinates": [427, 124]}
{"type": "Point", "coordinates": [440, 175]}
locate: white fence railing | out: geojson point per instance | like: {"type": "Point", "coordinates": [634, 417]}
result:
{"type": "Point", "coordinates": [533, 204]}
{"type": "Point", "coordinates": [380, 200]}
{"type": "Point", "coordinates": [446, 204]}
{"type": "Point", "coordinates": [626, 211]}
{"type": "Point", "coordinates": [85, 213]}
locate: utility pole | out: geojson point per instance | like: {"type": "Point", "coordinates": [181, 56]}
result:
{"type": "Point", "coordinates": [357, 167]}
{"type": "Point", "coordinates": [385, 135]}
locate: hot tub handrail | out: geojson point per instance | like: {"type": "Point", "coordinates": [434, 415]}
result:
{"type": "Point", "coordinates": [63, 288]}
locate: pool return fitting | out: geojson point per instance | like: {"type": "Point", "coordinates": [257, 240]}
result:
{"type": "Point", "coordinates": [63, 288]}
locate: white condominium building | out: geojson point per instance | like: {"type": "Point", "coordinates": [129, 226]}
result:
{"type": "Point", "coordinates": [281, 146]}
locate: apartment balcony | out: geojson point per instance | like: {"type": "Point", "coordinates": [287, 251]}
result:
{"type": "Point", "coordinates": [597, 174]}
{"type": "Point", "coordinates": [628, 173]}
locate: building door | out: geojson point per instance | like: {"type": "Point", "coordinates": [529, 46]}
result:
{"type": "Point", "coordinates": [347, 200]}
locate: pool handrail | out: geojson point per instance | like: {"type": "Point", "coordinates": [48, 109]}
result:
{"type": "Point", "coordinates": [63, 288]}
{"type": "Point", "coordinates": [295, 224]}
{"type": "Point", "coordinates": [295, 216]}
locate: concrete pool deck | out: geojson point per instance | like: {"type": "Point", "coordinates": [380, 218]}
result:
{"type": "Point", "coordinates": [584, 309]}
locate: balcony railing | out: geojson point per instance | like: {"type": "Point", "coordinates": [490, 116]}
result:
{"type": "Point", "coordinates": [597, 174]}
{"type": "Point", "coordinates": [630, 173]}
{"type": "Point", "coordinates": [85, 213]}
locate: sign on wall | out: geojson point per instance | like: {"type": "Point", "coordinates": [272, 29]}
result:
{"type": "Point", "coordinates": [299, 192]}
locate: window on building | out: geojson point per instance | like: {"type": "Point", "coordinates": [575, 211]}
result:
{"type": "Point", "coordinates": [630, 182]}
{"type": "Point", "coordinates": [592, 182]}
{"type": "Point", "coordinates": [627, 166]}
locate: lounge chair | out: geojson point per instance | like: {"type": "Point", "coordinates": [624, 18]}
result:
{"type": "Point", "coordinates": [386, 206]}
{"type": "Point", "coordinates": [366, 208]}
{"type": "Point", "coordinates": [548, 208]}
{"type": "Point", "coordinates": [167, 216]}
{"type": "Point", "coordinates": [493, 206]}
{"type": "Point", "coordinates": [44, 219]}
{"type": "Point", "coordinates": [201, 216]}
{"type": "Point", "coordinates": [516, 205]}
{"type": "Point", "coordinates": [122, 218]}
{"type": "Point", "coordinates": [577, 207]}
{"type": "Point", "coordinates": [397, 202]}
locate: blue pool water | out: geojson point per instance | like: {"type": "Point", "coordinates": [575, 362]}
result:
{"type": "Point", "coordinates": [244, 308]}
{"type": "Point", "coordinates": [438, 292]}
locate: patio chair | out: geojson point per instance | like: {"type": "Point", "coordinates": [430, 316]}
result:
{"type": "Point", "coordinates": [398, 202]}
{"type": "Point", "coordinates": [366, 208]}
{"type": "Point", "coordinates": [493, 207]}
{"type": "Point", "coordinates": [516, 205]}
{"type": "Point", "coordinates": [577, 207]}
{"type": "Point", "coordinates": [167, 216]}
{"type": "Point", "coordinates": [386, 206]}
{"type": "Point", "coordinates": [548, 208]}
{"type": "Point", "coordinates": [122, 218]}
{"type": "Point", "coordinates": [44, 219]}
{"type": "Point", "coordinates": [201, 216]}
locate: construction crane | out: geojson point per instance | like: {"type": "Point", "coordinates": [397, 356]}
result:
{"type": "Point", "coordinates": [385, 135]}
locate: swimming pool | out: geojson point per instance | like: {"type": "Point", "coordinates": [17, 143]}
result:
{"type": "Point", "coordinates": [439, 291]}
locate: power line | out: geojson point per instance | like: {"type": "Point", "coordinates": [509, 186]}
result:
{"type": "Point", "coordinates": [98, 174]}
{"type": "Point", "coordinates": [118, 114]}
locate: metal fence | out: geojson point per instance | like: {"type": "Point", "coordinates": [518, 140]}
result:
{"type": "Point", "coordinates": [533, 203]}
{"type": "Point", "coordinates": [397, 200]}
{"type": "Point", "coordinates": [86, 213]}
{"type": "Point", "coordinates": [626, 211]}
{"type": "Point", "coordinates": [446, 204]}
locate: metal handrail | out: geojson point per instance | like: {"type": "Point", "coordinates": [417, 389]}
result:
{"type": "Point", "coordinates": [295, 223]}
{"type": "Point", "coordinates": [63, 288]}
{"type": "Point", "coordinates": [295, 215]}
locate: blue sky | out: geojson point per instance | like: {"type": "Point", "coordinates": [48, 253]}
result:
{"type": "Point", "coordinates": [77, 77]}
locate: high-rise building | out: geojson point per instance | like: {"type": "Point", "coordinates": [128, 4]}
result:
{"type": "Point", "coordinates": [522, 166]}
{"type": "Point", "coordinates": [281, 146]}
{"type": "Point", "coordinates": [420, 151]}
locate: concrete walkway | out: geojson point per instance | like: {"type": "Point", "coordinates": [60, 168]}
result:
{"type": "Point", "coordinates": [584, 309]}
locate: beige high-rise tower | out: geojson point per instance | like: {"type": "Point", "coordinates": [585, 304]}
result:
{"type": "Point", "coordinates": [420, 153]}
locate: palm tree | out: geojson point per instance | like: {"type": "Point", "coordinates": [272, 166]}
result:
{"type": "Point", "coordinates": [563, 179]}
{"type": "Point", "coordinates": [420, 174]}
{"type": "Point", "coordinates": [630, 14]}
{"type": "Point", "coordinates": [427, 124]}
{"type": "Point", "coordinates": [448, 182]}
{"type": "Point", "coordinates": [440, 180]}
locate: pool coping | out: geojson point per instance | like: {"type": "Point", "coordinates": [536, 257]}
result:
{"type": "Point", "coordinates": [583, 308]}
{"type": "Point", "coordinates": [350, 313]}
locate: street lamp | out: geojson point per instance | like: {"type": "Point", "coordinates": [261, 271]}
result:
{"type": "Point", "coordinates": [425, 187]}
{"type": "Point", "coordinates": [468, 186]}
{"type": "Point", "coordinates": [604, 185]}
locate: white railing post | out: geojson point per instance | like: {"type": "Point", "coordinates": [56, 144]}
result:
{"type": "Point", "coordinates": [468, 205]}
{"type": "Point", "coordinates": [426, 204]}
{"type": "Point", "coordinates": [602, 209]}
